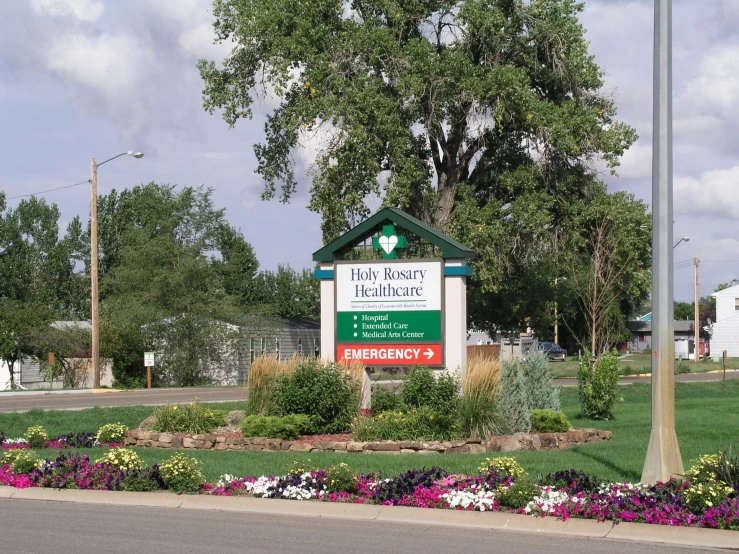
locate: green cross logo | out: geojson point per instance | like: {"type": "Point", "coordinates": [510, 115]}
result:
{"type": "Point", "coordinates": [388, 242]}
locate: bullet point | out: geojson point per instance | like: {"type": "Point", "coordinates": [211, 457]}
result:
{"type": "Point", "coordinates": [355, 334]}
{"type": "Point", "coordinates": [355, 317]}
{"type": "Point", "coordinates": [355, 325]}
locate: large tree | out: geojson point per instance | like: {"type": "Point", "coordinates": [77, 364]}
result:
{"type": "Point", "coordinates": [288, 293]}
{"type": "Point", "coordinates": [174, 275]}
{"type": "Point", "coordinates": [483, 118]}
{"type": "Point", "coordinates": [38, 281]}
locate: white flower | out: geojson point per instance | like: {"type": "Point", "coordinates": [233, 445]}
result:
{"type": "Point", "coordinates": [480, 500]}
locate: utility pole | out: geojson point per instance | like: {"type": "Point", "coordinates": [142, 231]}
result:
{"type": "Point", "coordinates": [663, 459]}
{"type": "Point", "coordinates": [697, 323]}
{"type": "Point", "coordinates": [94, 299]}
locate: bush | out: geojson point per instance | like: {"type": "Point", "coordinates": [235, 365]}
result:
{"type": "Point", "coordinates": [326, 395]}
{"type": "Point", "coordinates": [181, 474]}
{"type": "Point", "coordinates": [549, 421]}
{"type": "Point", "coordinates": [146, 480]}
{"type": "Point", "coordinates": [541, 394]}
{"type": "Point", "coordinates": [261, 383]}
{"type": "Point", "coordinates": [36, 436]}
{"type": "Point", "coordinates": [111, 432]}
{"type": "Point", "coordinates": [504, 466]}
{"type": "Point", "coordinates": [121, 458]}
{"type": "Point", "coordinates": [513, 410]}
{"type": "Point", "coordinates": [289, 427]}
{"type": "Point", "coordinates": [340, 478]}
{"type": "Point", "coordinates": [681, 367]}
{"type": "Point", "coordinates": [422, 389]}
{"type": "Point", "coordinates": [600, 387]}
{"type": "Point", "coordinates": [477, 406]}
{"type": "Point", "coordinates": [193, 418]}
{"type": "Point", "coordinates": [707, 489]}
{"type": "Point", "coordinates": [518, 495]}
{"type": "Point", "coordinates": [384, 400]}
{"type": "Point", "coordinates": [419, 424]}
{"type": "Point", "coordinates": [23, 461]}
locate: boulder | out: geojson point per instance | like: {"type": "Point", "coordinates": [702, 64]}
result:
{"type": "Point", "coordinates": [235, 417]}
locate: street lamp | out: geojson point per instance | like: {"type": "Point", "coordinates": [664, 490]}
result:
{"type": "Point", "coordinates": [684, 239]}
{"type": "Point", "coordinates": [94, 300]}
{"type": "Point", "coordinates": [556, 322]}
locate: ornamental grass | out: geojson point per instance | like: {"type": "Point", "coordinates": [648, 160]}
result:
{"type": "Point", "coordinates": [262, 379]}
{"type": "Point", "coordinates": [477, 406]}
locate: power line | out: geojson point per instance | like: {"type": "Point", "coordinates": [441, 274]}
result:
{"type": "Point", "coordinates": [50, 190]}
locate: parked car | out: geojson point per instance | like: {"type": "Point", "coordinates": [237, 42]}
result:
{"type": "Point", "coordinates": [553, 351]}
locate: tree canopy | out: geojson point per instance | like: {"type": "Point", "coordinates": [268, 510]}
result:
{"type": "Point", "coordinates": [483, 118]}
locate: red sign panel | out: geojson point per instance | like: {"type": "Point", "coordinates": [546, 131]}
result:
{"type": "Point", "coordinates": [390, 354]}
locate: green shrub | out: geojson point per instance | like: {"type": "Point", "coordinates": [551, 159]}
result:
{"type": "Point", "coordinates": [328, 396]}
{"type": "Point", "coordinates": [422, 389]}
{"type": "Point", "coordinates": [681, 367]}
{"type": "Point", "coordinates": [112, 432]}
{"type": "Point", "coordinates": [24, 461]}
{"type": "Point", "coordinates": [193, 418]}
{"type": "Point", "coordinates": [121, 458]}
{"type": "Point", "coordinates": [600, 386]}
{"type": "Point", "coordinates": [385, 400]}
{"type": "Point", "coordinates": [541, 394]}
{"type": "Point", "coordinates": [340, 478]}
{"type": "Point", "coordinates": [140, 481]}
{"type": "Point", "coordinates": [418, 424]}
{"type": "Point", "coordinates": [504, 466]}
{"type": "Point", "coordinates": [513, 410]}
{"type": "Point", "coordinates": [9, 456]}
{"type": "Point", "coordinates": [181, 474]}
{"type": "Point", "coordinates": [289, 427]}
{"type": "Point", "coordinates": [549, 421]}
{"type": "Point", "coordinates": [707, 488]}
{"type": "Point", "coordinates": [36, 436]}
{"type": "Point", "coordinates": [477, 406]}
{"type": "Point", "coordinates": [517, 495]}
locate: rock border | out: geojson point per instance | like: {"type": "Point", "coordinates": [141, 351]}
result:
{"type": "Point", "coordinates": [509, 443]}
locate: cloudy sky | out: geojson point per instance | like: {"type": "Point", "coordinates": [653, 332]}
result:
{"type": "Point", "coordinates": [84, 78]}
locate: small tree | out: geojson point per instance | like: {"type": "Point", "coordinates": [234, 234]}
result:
{"type": "Point", "coordinates": [71, 345]}
{"type": "Point", "coordinates": [513, 406]}
{"type": "Point", "coordinates": [599, 385]}
{"type": "Point", "coordinates": [540, 392]}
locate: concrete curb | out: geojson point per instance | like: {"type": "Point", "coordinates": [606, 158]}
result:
{"type": "Point", "coordinates": [639, 532]}
{"type": "Point", "coordinates": [104, 391]}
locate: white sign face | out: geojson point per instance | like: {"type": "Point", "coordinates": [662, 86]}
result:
{"type": "Point", "coordinates": [148, 359]}
{"type": "Point", "coordinates": [388, 286]}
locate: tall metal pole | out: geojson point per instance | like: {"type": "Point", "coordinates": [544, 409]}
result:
{"type": "Point", "coordinates": [94, 306]}
{"type": "Point", "coordinates": [697, 324]}
{"type": "Point", "coordinates": [663, 454]}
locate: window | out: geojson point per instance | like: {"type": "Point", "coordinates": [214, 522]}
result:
{"type": "Point", "coordinates": [277, 348]}
{"type": "Point", "coordinates": [252, 345]}
{"type": "Point", "coordinates": [317, 348]}
{"type": "Point", "coordinates": [263, 345]}
{"type": "Point", "coordinates": [300, 347]}
{"type": "Point", "coordinates": [736, 304]}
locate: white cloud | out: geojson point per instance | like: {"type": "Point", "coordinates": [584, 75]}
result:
{"type": "Point", "coordinates": [88, 11]}
{"type": "Point", "coordinates": [716, 89]}
{"type": "Point", "coordinates": [637, 162]}
{"type": "Point", "coordinates": [109, 64]}
{"type": "Point", "coordinates": [713, 195]}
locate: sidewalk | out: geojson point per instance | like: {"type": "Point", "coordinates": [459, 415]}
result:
{"type": "Point", "coordinates": [637, 532]}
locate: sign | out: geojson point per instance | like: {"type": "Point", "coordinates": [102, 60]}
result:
{"type": "Point", "coordinates": [391, 354]}
{"type": "Point", "coordinates": [390, 305]}
{"type": "Point", "coordinates": [149, 359]}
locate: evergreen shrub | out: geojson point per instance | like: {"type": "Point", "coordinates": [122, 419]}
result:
{"type": "Point", "coordinates": [549, 421]}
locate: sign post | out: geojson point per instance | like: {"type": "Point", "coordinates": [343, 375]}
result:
{"type": "Point", "coordinates": [149, 363]}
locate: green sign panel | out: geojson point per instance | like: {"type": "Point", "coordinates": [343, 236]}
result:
{"type": "Point", "coordinates": [384, 326]}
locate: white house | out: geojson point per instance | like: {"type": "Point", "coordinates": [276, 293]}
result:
{"type": "Point", "coordinates": [726, 328]}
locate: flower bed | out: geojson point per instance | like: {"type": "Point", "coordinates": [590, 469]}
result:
{"type": "Point", "coordinates": [80, 440]}
{"type": "Point", "coordinates": [510, 443]}
{"type": "Point", "coordinates": [500, 485]}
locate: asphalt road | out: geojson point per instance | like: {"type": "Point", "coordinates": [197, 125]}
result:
{"type": "Point", "coordinates": [21, 402]}
{"type": "Point", "coordinates": [36, 527]}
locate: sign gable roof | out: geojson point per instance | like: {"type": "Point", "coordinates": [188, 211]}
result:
{"type": "Point", "coordinates": [449, 247]}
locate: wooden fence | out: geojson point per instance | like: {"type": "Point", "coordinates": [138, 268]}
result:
{"type": "Point", "coordinates": [492, 350]}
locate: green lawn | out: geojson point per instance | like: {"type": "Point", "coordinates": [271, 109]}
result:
{"type": "Point", "coordinates": [705, 423]}
{"type": "Point", "coordinates": [639, 364]}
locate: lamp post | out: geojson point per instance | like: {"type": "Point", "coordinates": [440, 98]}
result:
{"type": "Point", "coordinates": [684, 239]}
{"type": "Point", "coordinates": [94, 297]}
{"type": "Point", "coordinates": [663, 453]}
{"type": "Point", "coordinates": [556, 320]}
